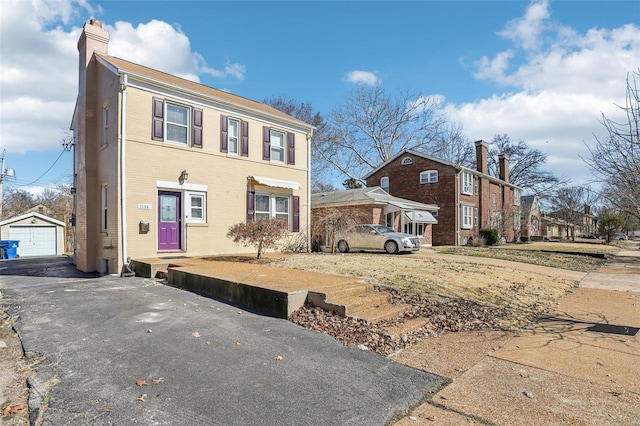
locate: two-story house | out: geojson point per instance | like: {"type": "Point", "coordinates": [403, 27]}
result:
{"type": "Point", "coordinates": [468, 199]}
{"type": "Point", "coordinates": [164, 166]}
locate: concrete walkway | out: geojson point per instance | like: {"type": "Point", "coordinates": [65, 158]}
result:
{"type": "Point", "coordinates": [578, 365]}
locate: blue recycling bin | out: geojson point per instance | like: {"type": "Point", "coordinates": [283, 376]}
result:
{"type": "Point", "coordinates": [9, 248]}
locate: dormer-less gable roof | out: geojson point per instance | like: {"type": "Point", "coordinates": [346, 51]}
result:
{"type": "Point", "coordinates": [458, 167]}
{"type": "Point", "coordinates": [361, 196]}
{"type": "Point", "coordinates": [34, 215]}
{"type": "Point", "coordinates": [173, 82]}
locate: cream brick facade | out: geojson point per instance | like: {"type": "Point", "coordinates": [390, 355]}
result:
{"type": "Point", "coordinates": [130, 166]}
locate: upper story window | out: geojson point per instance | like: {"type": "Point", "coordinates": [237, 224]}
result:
{"type": "Point", "coordinates": [176, 123]}
{"type": "Point", "coordinates": [233, 136]}
{"type": "Point", "coordinates": [384, 184]}
{"type": "Point", "coordinates": [429, 176]}
{"type": "Point", "coordinates": [494, 201]}
{"type": "Point", "coordinates": [467, 183]}
{"type": "Point", "coordinates": [406, 161]}
{"type": "Point", "coordinates": [476, 184]}
{"type": "Point", "coordinates": [105, 126]}
{"type": "Point", "coordinates": [516, 197]}
{"type": "Point", "coordinates": [278, 145]}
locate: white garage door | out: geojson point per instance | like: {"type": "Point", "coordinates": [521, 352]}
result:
{"type": "Point", "coordinates": [34, 240]}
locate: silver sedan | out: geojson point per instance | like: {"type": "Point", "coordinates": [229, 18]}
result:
{"type": "Point", "coordinates": [377, 238]}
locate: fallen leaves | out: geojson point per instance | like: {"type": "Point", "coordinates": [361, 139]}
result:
{"type": "Point", "coordinates": [13, 409]}
{"type": "Point", "coordinates": [278, 357]}
{"type": "Point", "coordinates": [142, 398]}
{"type": "Point", "coordinates": [195, 334]}
{"type": "Point", "coordinates": [142, 383]}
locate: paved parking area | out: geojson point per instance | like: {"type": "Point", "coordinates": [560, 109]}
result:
{"type": "Point", "coordinates": [111, 350]}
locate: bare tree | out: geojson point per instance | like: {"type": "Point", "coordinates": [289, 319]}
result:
{"type": "Point", "coordinates": [372, 125]}
{"type": "Point", "coordinates": [525, 166]}
{"type": "Point", "coordinates": [568, 203]}
{"type": "Point", "coordinates": [328, 223]}
{"type": "Point", "coordinates": [304, 111]}
{"type": "Point", "coordinates": [615, 159]}
{"type": "Point", "coordinates": [610, 223]}
{"type": "Point", "coordinates": [453, 146]}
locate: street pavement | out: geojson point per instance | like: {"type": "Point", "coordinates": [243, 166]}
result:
{"type": "Point", "coordinates": [123, 351]}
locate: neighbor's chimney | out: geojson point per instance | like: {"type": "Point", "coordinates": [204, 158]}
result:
{"type": "Point", "coordinates": [482, 157]}
{"type": "Point", "coordinates": [504, 167]}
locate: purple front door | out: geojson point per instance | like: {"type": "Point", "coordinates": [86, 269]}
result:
{"type": "Point", "coordinates": [169, 222]}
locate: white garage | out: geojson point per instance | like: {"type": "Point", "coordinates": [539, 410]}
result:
{"type": "Point", "coordinates": [38, 235]}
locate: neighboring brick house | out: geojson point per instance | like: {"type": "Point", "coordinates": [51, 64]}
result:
{"type": "Point", "coordinates": [468, 199]}
{"type": "Point", "coordinates": [164, 166]}
{"type": "Point", "coordinates": [376, 206]}
{"type": "Point", "coordinates": [530, 226]}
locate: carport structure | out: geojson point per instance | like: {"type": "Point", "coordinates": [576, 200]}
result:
{"type": "Point", "coordinates": [38, 235]}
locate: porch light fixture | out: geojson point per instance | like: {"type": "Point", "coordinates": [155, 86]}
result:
{"type": "Point", "coordinates": [184, 176]}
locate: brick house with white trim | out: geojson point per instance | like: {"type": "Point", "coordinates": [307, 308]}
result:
{"type": "Point", "coordinates": [468, 199]}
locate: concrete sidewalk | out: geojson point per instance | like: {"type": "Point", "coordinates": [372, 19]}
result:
{"type": "Point", "coordinates": [578, 365]}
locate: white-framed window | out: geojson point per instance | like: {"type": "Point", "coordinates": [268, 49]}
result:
{"type": "Point", "coordinates": [384, 183]}
{"type": "Point", "coordinates": [475, 217]}
{"type": "Point", "coordinates": [467, 183]}
{"type": "Point", "coordinates": [233, 135]}
{"type": "Point", "coordinates": [476, 184]}
{"type": "Point", "coordinates": [277, 146]}
{"type": "Point", "coordinates": [494, 202]}
{"type": "Point", "coordinates": [104, 137]}
{"type": "Point", "coordinates": [429, 176]}
{"type": "Point", "coordinates": [195, 207]}
{"type": "Point", "coordinates": [177, 123]}
{"type": "Point", "coordinates": [103, 208]}
{"type": "Point", "coordinates": [516, 197]}
{"type": "Point", "coordinates": [272, 206]}
{"type": "Point", "coordinates": [467, 217]}
{"type": "Point", "coordinates": [406, 161]}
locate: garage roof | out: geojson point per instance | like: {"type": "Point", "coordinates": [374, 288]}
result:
{"type": "Point", "coordinates": [32, 214]}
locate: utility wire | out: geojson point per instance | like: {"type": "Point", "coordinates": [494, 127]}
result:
{"type": "Point", "coordinates": [51, 167]}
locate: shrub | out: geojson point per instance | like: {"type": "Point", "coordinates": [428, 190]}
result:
{"type": "Point", "coordinates": [490, 235]}
{"type": "Point", "coordinates": [524, 239]}
{"type": "Point", "coordinates": [262, 234]}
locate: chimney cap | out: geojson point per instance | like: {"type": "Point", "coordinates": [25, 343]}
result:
{"type": "Point", "coordinates": [95, 23]}
{"type": "Point", "coordinates": [480, 142]}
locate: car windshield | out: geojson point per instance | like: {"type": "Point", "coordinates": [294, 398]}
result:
{"type": "Point", "coordinates": [382, 229]}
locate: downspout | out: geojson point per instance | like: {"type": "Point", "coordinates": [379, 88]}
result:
{"type": "Point", "coordinates": [126, 270]}
{"type": "Point", "coordinates": [458, 211]}
{"type": "Point", "coordinates": [309, 137]}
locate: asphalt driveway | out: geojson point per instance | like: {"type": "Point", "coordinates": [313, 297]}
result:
{"type": "Point", "coordinates": [111, 350]}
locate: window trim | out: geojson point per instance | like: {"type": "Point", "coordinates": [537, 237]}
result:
{"type": "Point", "coordinates": [237, 137]}
{"type": "Point", "coordinates": [104, 136]}
{"type": "Point", "coordinates": [428, 174]}
{"type": "Point", "coordinates": [188, 195]}
{"type": "Point", "coordinates": [272, 212]}
{"type": "Point", "coordinates": [516, 197]}
{"type": "Point", "coordinates": [382, 185]}
{"type": "Point", "coordinates": [467, 217]}
{"type": "Point", "coordinates": [103, 208]}
{"type": "Point", "coordinates": [186, 126]}
{"type": "Point", "coordinates": [276, 148]}
{"type": "Point", "coordinates": [466, 184]}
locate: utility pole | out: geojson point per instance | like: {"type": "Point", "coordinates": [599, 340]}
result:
{"type": "Point", "coordinates": [3, 173]}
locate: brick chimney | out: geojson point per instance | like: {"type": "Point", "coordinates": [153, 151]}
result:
{"type": "Point", "coordinates": [93, 39]}
{"type": "Point", "coordinates": [482, 157]}
{"type": "Point", "coordinates": [504, 167]}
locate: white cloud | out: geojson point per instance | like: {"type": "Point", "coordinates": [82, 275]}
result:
{"type": "Point", "coordinates": [362, 77]}
{"type": "Point", "coordinates": [559, 90]}
{"type": "Point", "coordinates": [38, 72]}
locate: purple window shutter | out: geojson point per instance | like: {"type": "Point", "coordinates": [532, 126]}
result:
{"type": "Point", "coordinates": [245, 139]}
{"type": "Point", "coordinates": [224, 134]}
{"type": "Point", "coordinates": [251, 199]}
{"type": "Point", "coordinates": [266, 143]}
{"type": "Point", "coordinates": [197, 128]}
{"type": "Point", "coordinates": [157, 128]}
{"type": "Point", "coordinates": [291, 148]}
{"type": "Point", "coordinates": [296, 214]}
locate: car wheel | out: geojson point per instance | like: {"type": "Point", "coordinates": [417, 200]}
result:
{"type": "Point", "coordinates": [391, 247]}
{"type": "Point", "coordinates": [343, 246]}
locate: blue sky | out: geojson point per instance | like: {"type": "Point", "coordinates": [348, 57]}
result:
{"type": "Point", "coordinates": [541, 71]}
